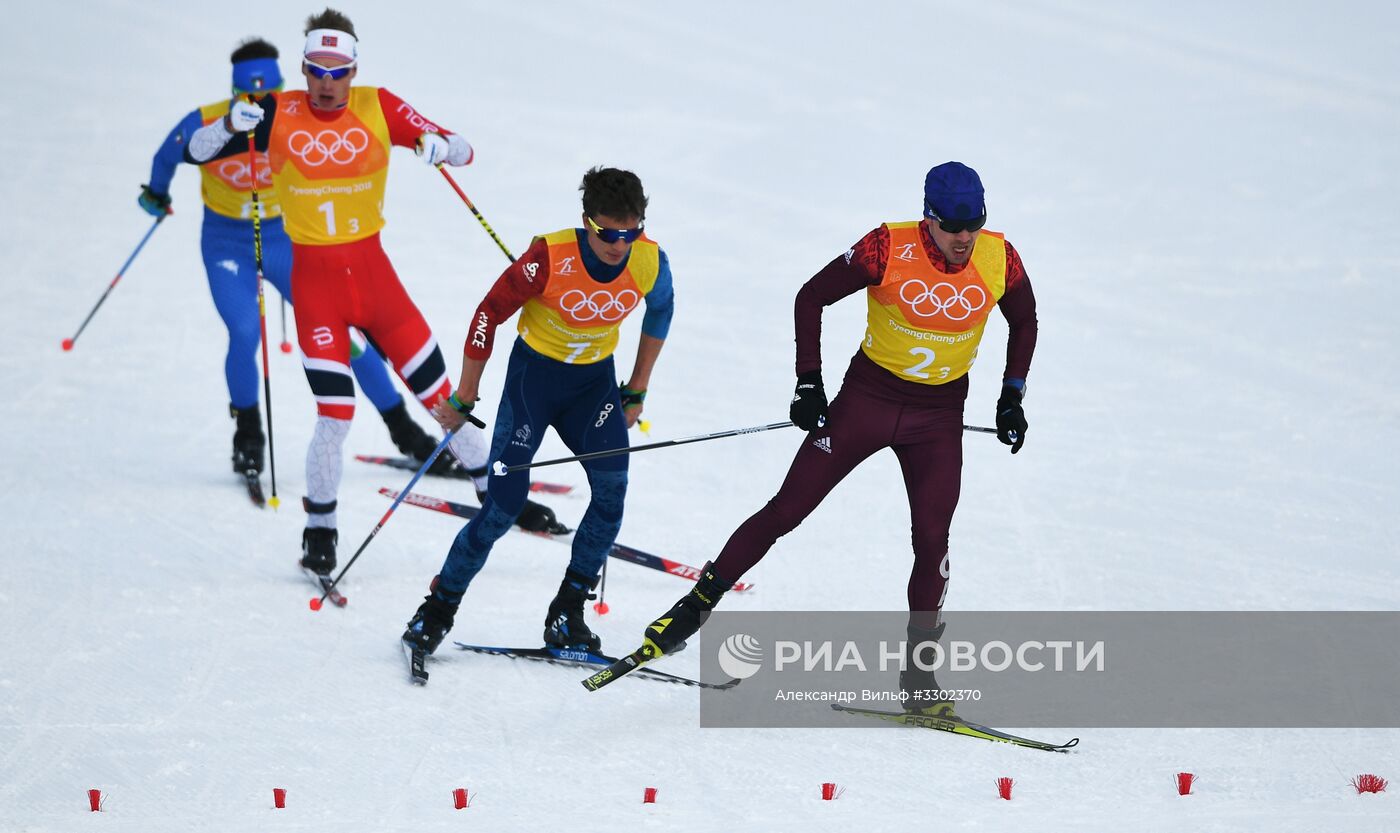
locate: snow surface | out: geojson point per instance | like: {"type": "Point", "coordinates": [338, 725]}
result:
{"type": "Point", "coordinates": [1204, 195]}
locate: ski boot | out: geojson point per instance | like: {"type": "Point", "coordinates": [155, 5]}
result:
{"type": "Point", "coordinates": [430, 624]}
{"type": "Point", "coordinates": [318, 549]}
{"type": "Point", "coordinates": [564, 626]}
{"type": "Point", "coordinates": [668, 634]}
{"type": "Point", "coordinates": [412, 441]}
{"type": "Point", "coordinates": [248, 439]}
{"type": "Point", "coordinates": [921, 694]}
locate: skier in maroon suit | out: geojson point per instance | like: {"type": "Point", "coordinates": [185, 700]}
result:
{"type": "Point", "coordinates": [930, 287]}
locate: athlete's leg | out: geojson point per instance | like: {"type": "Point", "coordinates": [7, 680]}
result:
{"type": "Point", "coordinates": [521, 419]}
{"type": "Point", "coordinates": [858, 425]}
{"type": "Point", "coordinates": [929, 448]}
{"type": "Point", "coordinates": [594, 422]}
{"type": "Point", "coordinates": [277, 258]}
{"type": "Point", "coordinates": [398, 328]}
{"type": "Point", "coordinates": [324, 338]}
{"type": "Point", "coordinates": [373, 376]}
{"type": "Point", "coordinates": [365, 362]}
{"type": "Point", "coordinates": [228, 261]}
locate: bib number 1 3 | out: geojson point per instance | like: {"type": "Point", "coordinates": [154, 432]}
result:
{"type": "Point", "coordinates": [327, 209]}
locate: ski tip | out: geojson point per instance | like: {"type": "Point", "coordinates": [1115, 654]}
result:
{"type": "Point", "coordinates": [342, 601]}
{"type": "Point", "coordinates": [598, 680]}
{"type": "Point", "coordinates": [315, 604]}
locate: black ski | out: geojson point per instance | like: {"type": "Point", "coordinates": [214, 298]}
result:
{"type": "Point", "coordinates": [324, 584]}
{"type": "Point", "coordinates": [255, 489]}
{"type": "Point", "coordinates": [417, 662]}
{"type": "Point", "coordinates": [955, 726]}
{"type": "Point", "coordinates": [410, 464]}
{"type": "Point", "coordinates": [579, 658]}
{"type": "Point", "coordinates": [621, 667]}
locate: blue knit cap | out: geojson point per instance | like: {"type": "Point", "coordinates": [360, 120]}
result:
{"type": "Point", "coordinates": [256, 75]}
{"type": "Point", "coordinates": [953, 191]}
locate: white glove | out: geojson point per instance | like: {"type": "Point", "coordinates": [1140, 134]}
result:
{"type": "Point", "coordinates": [432, 148]}
{"type": "Point", "coordinates": [244, 116]}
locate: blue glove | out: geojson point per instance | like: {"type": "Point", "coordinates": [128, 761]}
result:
{"type": "Point", "coordinates": [156, 205]}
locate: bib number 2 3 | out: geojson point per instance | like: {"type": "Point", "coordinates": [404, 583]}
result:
{"type": "Point", "coordinates": [917, 370]}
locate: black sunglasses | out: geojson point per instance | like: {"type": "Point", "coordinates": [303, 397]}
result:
{"type": "Point", "coordinates": [955, 226]}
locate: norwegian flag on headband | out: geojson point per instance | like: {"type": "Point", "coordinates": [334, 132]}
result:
{"type": "Point", "coordinates": [328, 40]}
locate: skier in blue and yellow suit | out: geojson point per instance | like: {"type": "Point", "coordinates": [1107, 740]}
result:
{"type": "Point", "coordinates": [227, 245]}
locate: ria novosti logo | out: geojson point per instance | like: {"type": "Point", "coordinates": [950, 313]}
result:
{"type": "Point", "coordinates": [740, 656]}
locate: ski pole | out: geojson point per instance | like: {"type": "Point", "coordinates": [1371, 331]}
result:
{"type": "Point", "coordinates": [403, 493]}
{"type": "Point", "coordinates": [498, 468]}
{"type": "Point", "coordinates": [601, 606]}
{"type": "Point", "coordinates": [467, 200]}
{"type": "Point", "coordinates": [274, 501]}
{"type": "Point", "coordinates": [68, 342]}
{"type": "Point", "coordinates": [286, 345]}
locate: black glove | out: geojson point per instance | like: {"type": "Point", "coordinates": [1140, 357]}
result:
{"type": "Point", "coordinates": [152, 203]}
{"type": "Point", "coordinates": [808, 410]}
{"type": "Point", "coordinates": [1011, 419]}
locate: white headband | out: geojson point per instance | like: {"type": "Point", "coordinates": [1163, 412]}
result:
{"type": "Point", "coordinates": [330, 43]}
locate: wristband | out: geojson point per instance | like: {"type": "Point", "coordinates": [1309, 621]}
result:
{"type": "Point", "coordinates": [633, 397]}
{"type": "Point", "coordinates": [458, 405]}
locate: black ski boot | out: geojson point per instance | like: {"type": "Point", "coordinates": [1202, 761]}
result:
{"type": "Point", "coordinates": [412, 441]}
{"type": "Point", "coordinates": [535, 517]}
{"type": "Point", "coordinates": [668, 634]}
{"type": "Point", "coordinates": [430, 624]}
{"type": "Point", "coordinates": [564, 626]}
{"type": "Point", "coordinates": [921, 694]}
{"type": "Point", "coordinates": [409, 438]}
{"type": "Point", "coordinates": [248, 439]}
{"type": "Point", "coordinates": [318, 549]}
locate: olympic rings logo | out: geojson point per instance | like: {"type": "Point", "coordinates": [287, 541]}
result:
{"type": "Point", "coordinates": [601, 304]}
{"type": "Point", "coordinates": [235, 173]}
{"type": "Point", "coordinates": [328, 145]}
{"type": "Point", "coordinates": [943, 298]}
